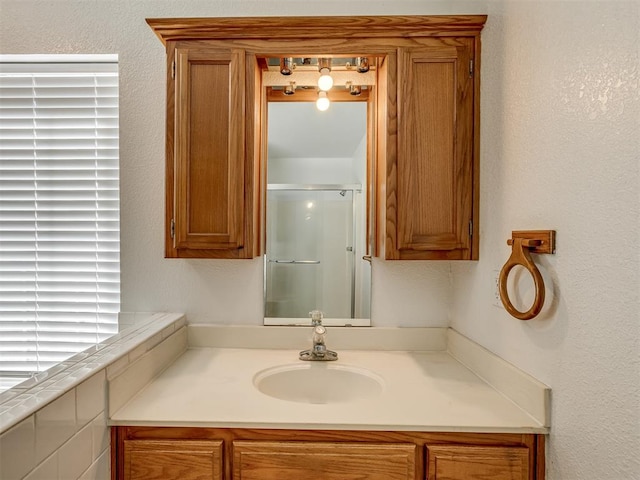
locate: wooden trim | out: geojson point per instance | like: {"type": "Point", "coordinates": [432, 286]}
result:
{"type": "Point", "coordinates": [168, 29]}
{"type": "Point", "coordinates": [475, 214]}
{"type": "Point", "coordinates": [252, 182]}
{"type": "Point", "coordinates": [116, 459]}
{"type": "Point", "coordinates": [540, 458]}
{"type": "Point", "coordinates": [170, 251]}
{"type": "Point", "coordinates": [312, 96]}
{"type": "Point", "coordinates": [194, 433]}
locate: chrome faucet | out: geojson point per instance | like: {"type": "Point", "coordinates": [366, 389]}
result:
{"type": "Point", "coordinates": [318, 351]}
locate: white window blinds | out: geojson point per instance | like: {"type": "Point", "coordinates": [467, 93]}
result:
{"type": "Point", "coordinates": [59, 208]}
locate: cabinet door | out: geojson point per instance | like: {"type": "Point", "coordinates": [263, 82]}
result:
{"type": "Point", "coordinates": [326, 461]}
{"type": "Point", "coordinates": [210, 210]}
{"type": "Point", "coordinates": [172, 460]}
{"type": "Point", "coordinates": [456, 462]}
{"type": "Point", "coordinates": [430, 190]}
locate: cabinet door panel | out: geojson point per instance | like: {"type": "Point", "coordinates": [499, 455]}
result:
{"type": "Point", "coordinates": [434, 186]}
{"type": "Point", "coordinates": [328, 461]}
{"type": "Point", "coordinates": [456, 462]}
{"type": "Point", "coordinates": [172, 460]}
{"type": "Point", "coordinates": [209, 166]}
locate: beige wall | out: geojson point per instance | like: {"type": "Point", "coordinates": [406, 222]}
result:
{"type": "Point", "coordinates": [560, 115]}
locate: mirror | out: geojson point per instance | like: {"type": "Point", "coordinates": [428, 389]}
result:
{"type": "Point", "coordinates": [316, 214]}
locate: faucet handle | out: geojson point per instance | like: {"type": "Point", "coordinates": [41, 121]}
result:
{"type": "Point", "coordinates": [316, 317]}
{"type": "Point", "coordinates": [319, 331]}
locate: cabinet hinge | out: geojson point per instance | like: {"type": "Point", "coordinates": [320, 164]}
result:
{"type": "Point", "coordinates": [470, 68]}
{"type": "Point", "coordinates": [172, 228]}
{"type": "Point", "coordinates": [173, 69]}
{"type": "Point", "coordinates": [471, 228]}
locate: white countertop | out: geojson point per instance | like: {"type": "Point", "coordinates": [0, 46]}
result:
{"type": "Point", "coordinates": [422, 391]}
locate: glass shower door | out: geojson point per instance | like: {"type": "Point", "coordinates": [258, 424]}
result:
{"type": "Point", "coordinates": [309, 253]}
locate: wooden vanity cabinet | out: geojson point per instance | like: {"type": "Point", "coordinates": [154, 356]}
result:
{"type": "Point", "coordinates": [423, 128]}
{"type": "Point", "coordinates": [178, 453]}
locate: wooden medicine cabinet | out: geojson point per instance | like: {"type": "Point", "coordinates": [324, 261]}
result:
{"type": "Point", "coordinates": [422, 144]}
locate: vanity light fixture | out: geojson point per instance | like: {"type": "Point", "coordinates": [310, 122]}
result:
{"type": "Point", "coordinates": [289, 89]}
{"type": "Point", "coordinates": [323, 102]}
{"type": "Point", "coordinates": [286, 65]}
{"type": "Point", "coordinates": [362, 64]}
{"type": "Point", "coordinates": [325, 82]}
{"type": "Point", "coordinates": [354, 90]}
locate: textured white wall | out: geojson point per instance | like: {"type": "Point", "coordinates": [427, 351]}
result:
{"type": "Point", "coordinates": [559, 150]}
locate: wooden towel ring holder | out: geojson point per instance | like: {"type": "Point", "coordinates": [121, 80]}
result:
{"type": "Point", "coordinates": [523, 243]}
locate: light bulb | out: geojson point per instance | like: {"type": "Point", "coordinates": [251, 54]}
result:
{"type": "Point", "coordinates": [325, 82]}
{"type": "Point", "coordinates": [323, 101]}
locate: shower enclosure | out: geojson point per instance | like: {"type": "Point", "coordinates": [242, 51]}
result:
{"type": "Point", "coordinates": [310, 260]}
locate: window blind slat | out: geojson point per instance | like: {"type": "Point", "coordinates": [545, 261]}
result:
{"type": "Point", "coordinates": [59, 209]}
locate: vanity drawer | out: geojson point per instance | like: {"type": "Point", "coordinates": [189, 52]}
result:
{"type": "Point", "coordinates": [468, 462]}
{"type": "Point", "coordinates": [256, 460]}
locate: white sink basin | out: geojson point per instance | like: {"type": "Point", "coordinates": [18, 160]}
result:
{"type": "Point", "coordinates": [318, 383]}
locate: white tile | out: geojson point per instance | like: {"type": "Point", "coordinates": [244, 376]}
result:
{"type": "Point", "coordinates": [47, 470]}
{"type": "Point", "coordinates": [181, 322]}
{"type": "Point", "coordinates": [69, 374]}
{"type": "Point", "coordinates": [137, 352]}
{"type": "Point", "coordinates": [168, 331]}
{"type": "Point", "coordinates": [155, 340]}
{"type": "Point", "coordinates": [91, 398]}
{"type": "Point", "coordinates": [100, 469]}
{"type": "Point", "coordinates": [170, 349]}
{"type": "Point", "coordinates": [12, 415]}
{"type": "Point", "coordinates": [9, 394]}
{"type": "Point", "coordinates": [144, 369]}
{"type": "Point", "coordinates": [81, 356]}
{"type": "Point", "coordinates": [75, 455]}
{"type": "Point", "coordinates": [17, 450]}
{"type": "Point", "coordinates": [55, 424]}
{"type": "Point", "coordinates": [128, 383]}
{"type": "Point", "coordinates": [117, 367]}
{"type": "Point", "coordinates": [101, 435]}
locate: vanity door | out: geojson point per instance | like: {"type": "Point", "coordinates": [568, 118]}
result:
{"type": "Point", "coordinates": [256, 460]}
{"type": "Point", "coordinates": [211, 201]}
{"type": "Point", "coordinates": [431, 177]}
{"type": "Point", "coordinates": [172, 460]}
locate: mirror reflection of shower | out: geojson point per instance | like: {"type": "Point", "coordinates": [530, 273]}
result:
{"type": "Point", "coordinates": [316, 215]}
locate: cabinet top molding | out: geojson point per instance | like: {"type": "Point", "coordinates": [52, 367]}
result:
{"type": "Point", "coordinates": [168, 29]}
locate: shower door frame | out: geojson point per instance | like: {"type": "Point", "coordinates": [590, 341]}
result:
{"type": "Point", "coordinates": [354, 188]}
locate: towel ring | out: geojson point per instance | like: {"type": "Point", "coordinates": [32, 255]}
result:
{"type": "Point", "coordinates": [520, 256]}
